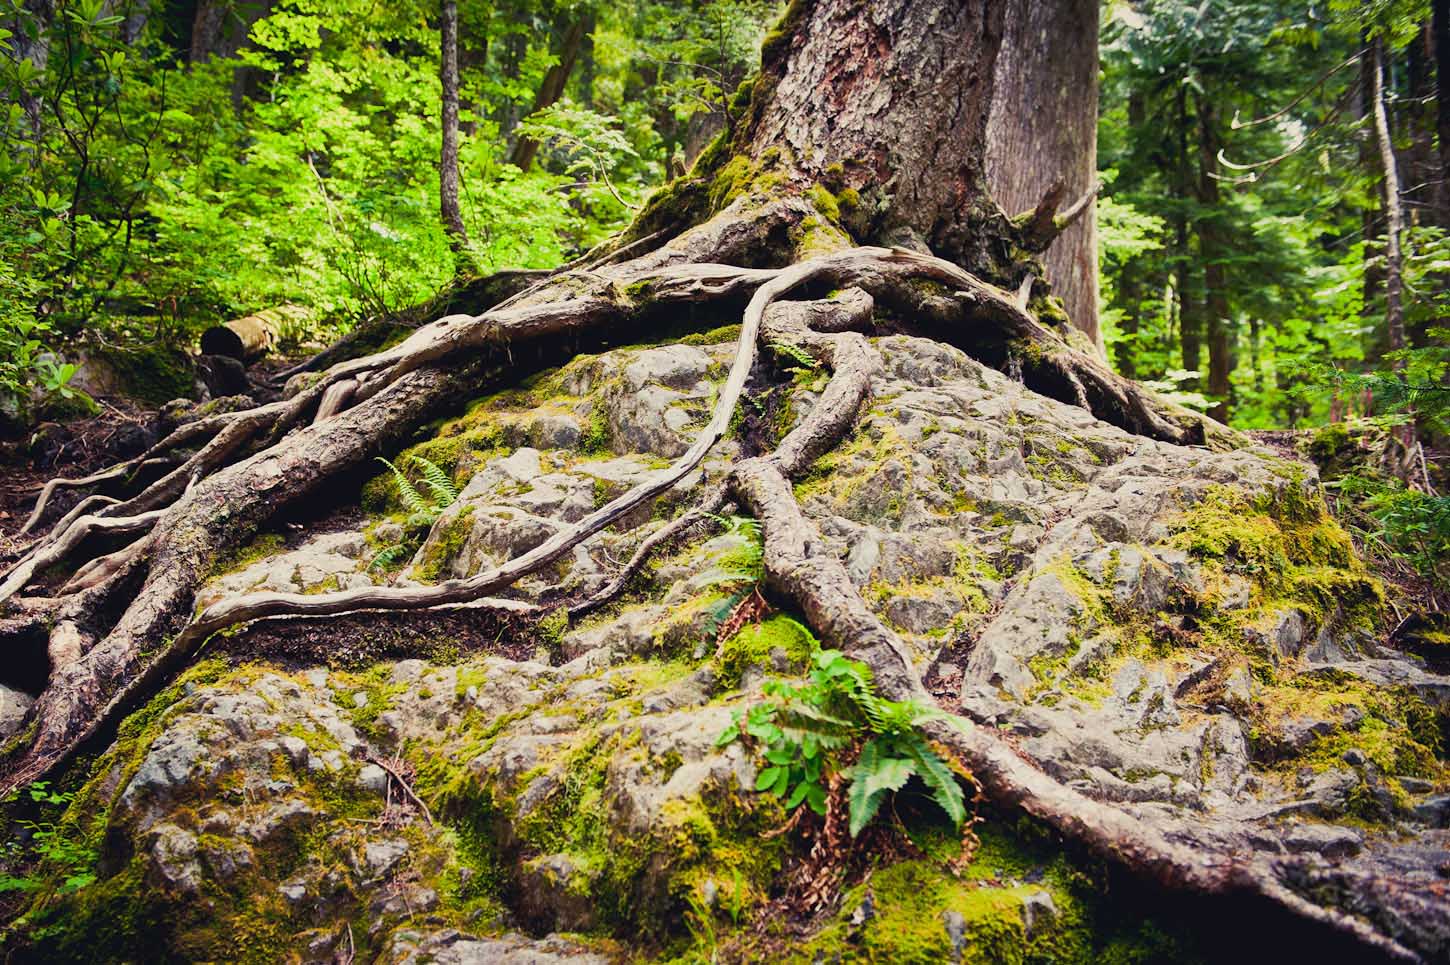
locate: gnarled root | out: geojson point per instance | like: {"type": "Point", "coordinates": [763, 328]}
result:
{"type": "Point", "coordinates": [800, 566]}
{"type": "Point", "coordinates": [359, 406]}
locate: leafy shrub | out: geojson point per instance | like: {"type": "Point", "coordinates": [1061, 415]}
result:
{"type": "Point", "coordinates": [806, 728]}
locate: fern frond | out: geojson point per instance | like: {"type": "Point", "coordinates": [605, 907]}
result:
{"type": "Point", "coordinates": [388, 556]}
{"type": "Point", "coordinates": [438, 482]}
{"type": "Point", "coordinates": [413, 500]}
{"type": "Point", "coordinates": [794, 353]}
{"type": "Point", "coordinates": [945, 790]}
{"type": "Point", "coordinates": [874, 776]}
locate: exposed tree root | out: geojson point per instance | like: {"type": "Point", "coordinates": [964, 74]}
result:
{"type": "Point", "coordinates": [255, 462]}
{"type": "Point", "coordinates": [74, 535]}
{"type": "Point", "coordinates": [801, 566]}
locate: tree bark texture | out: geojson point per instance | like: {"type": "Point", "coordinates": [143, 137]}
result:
{"type": "Point", "coordinates": [890, 98]}
{"type": "Point", "coordinates": [448, 154]}
{"type": "Point", "coordinates": [1394, 212]}
{"type": "Point", "coordinates": [1212, 251]}
{"type": "Point", "coordinates": [1042, 130]}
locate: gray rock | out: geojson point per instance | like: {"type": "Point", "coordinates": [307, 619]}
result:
{"type": "Point", "coordinates": [1038, 911]}
{"type": "Point", "coordinates": [372, 779]}
{"type": "Point", "coordinates": [174, 862]}
{"type": "Point", "coordinates": [14, 704]}
{"type": "Point", "coordinates": [554, 892]}
{"type": "Point", "coordinates": [1330, 841]}
{"type": "Point", "coordinates": [381, 857]}
{"type": "Point", "coordinates": [1434, 811]}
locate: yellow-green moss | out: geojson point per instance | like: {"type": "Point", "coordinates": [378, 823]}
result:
{"type": "Point", "coordinates": [260, 548]}
{"type": "Point", "coordinates": [446, 544]}
{"type": "Point", "coordinates": [754, 645]}
{"type": "Point", "coordinates": [911, 901]}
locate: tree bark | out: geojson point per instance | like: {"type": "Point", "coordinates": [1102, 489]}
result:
{"type": "Point", "coordinates": [1394, 213]}
{"type": "Point", "coordinates": [890, 98]}
{"type": "Point", "coordinates": [552, 88]}
{"type": "Point", "coordinates": [448, 154]}
{"type": "Point", "coordinates": [1211, 251]}
{"type": "Point", "coordinates": [1440, 36]}
{"type": "Point", "coordinates": [1042, 129]}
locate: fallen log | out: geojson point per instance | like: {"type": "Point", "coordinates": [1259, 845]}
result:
{"type": "Point", "coordinates": [250, 337]}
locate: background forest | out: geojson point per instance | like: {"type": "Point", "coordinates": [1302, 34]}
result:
{"type": "Point", "coordinates": [167, 166]}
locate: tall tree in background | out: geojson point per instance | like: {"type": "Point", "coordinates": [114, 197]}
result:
{"type": "Point", "coordinates": [552, 87]}
{"type": "Point", "coordinates": [1394, 212]}
{"type": "Point", "coordinates": [448, 154]}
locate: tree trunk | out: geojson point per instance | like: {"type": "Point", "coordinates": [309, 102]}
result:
{"type": "Point", "coordinates": [552, 88]}
{"type": "Point", "coordinates": [448, 155]}
{"type": "Point", "coordinates": [1190, 316]}
{"type": "Point", "coordinates": [1394, 213]}
{"type": "Point", "coordinates": [1440, 36]}
{"type": "Point", "coordinates": [1043, 129]}
{"type": "Point", "coordinates": [36, 49]}
{"type": "Point", "coordinates": [1211, 251]}
{"type": "Point", "coordinates": [586, 60]}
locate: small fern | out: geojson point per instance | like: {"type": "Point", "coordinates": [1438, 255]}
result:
{"type": "Point", "coordinates": [804, 727]}
{"type": "Point", "coordinates": [437, 482]}
{"type": "Point", "coordinates": [413, 500]}
{"type": "Point", "coordinates": [389, 556]}
{"type": "Point", "coordinates": [794, 353]}
{"type": "Point", "coordinates": [745, 564]}
{"type": "Point", "coordinates": [442, 492]}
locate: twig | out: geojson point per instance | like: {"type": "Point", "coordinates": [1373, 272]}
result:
{"type": "Point", "coordinates": [407, 788]}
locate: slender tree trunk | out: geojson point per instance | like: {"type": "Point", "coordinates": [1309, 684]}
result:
{"type": "Point", "coordinates": [515, 47]}
{"type": "Point", "coordinates": [1394, 216]}
{"type": "Point", "coordinates": [36, 49]}
{"type": "Point", "coordinates": [586, 60]}
{"type": "Point", "coordinates": [1190, 317]}
{"type": "Point", "coordinates": [552, 88]}
{"type": "Point", "coordinates": [1440, 34]}
{"type": "Point", "coordinates": [1211, 252]}
{"type": "Point", "coordinates": [1043, 129]}
{"type": "Point", "coordinates": [448, 156]}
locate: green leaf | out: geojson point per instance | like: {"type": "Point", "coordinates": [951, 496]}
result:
{"type": "Point", "coordinates": [767, 777]}
{"type": "Point", "coordinates": [946, 792]}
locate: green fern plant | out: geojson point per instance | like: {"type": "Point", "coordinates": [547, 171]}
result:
{"type": "Point", "coordinates": [745, 564]}
{"type": "Point", "coordinates": [794, 353]}
{"type": "Point", "coordinates": [805, 728]}
{"type": "Point", "coordinates": [441, 491]}
{"type": "Point", "coordinates": [424, 505]}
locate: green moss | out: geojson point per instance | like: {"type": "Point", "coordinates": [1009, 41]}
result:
{"type": "Point", "coordinates": [825, 202]}
{"type": "Point", "coordinates": [756, 644]}
{"type": "Point", "coordinates": [260, 548]}
{"type": "Point", "coordinates": [1290, 546]}
{"type": "Point", "coordinates": [447, 543]}
{"type": "Point", "coordinates": [151, 372]}
{"type": "Point", "coordinates": [912, 902]}
{"type": "Point", "coordinates": [1328, 441]}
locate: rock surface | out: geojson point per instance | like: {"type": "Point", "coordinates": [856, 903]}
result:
{"type": "Point", "coordinates": [1184, 633]}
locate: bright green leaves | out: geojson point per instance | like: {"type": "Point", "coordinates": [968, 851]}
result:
{"type": "Point", "coordinates": [873, 777]}
{"type": "Point", "coordinates": [807, 729]}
